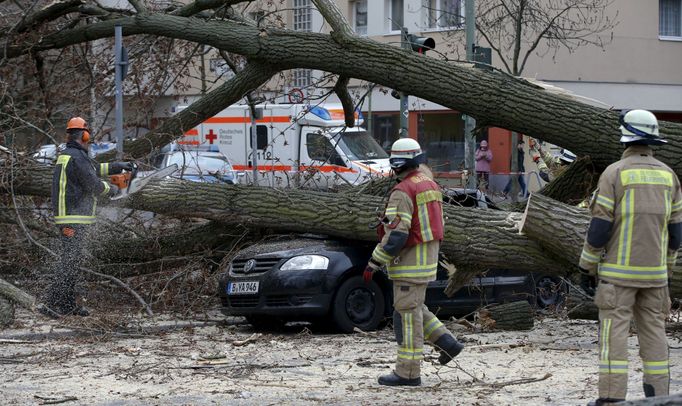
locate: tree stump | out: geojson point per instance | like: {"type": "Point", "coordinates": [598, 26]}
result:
{"type": "Point", "coordinates": [6, 312]}
{"type": "Point", "coordinates": [508, 316]}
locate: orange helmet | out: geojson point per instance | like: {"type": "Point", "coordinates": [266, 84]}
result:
{"type": "Point", "coordinates": [76, 123]}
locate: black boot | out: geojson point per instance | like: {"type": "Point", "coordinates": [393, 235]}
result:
{"type": "Point", "coordinates": [449, 348]}
{"type": "Point", "coordinates": [393, 379]}
{"type": "Point", "coordinates": [605, 402]}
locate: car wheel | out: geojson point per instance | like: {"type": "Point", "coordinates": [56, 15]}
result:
{"type": "Point", "coordinates": [550, 291]}
{"type": "Point", "coordinates": [358, 304]}
{"type": "Point", "coordinates": [265, 323]}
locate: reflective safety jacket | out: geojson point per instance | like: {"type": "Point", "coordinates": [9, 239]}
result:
{"type": "Point", "coordinates": [413, 228]}
{"type": "Point", "coordinates": [75, 186]}
{"type": "Point", "coordinates": [640, 197]}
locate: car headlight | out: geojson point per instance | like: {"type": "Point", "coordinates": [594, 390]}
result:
{"type": "Point", "coordinates": [306, 262]}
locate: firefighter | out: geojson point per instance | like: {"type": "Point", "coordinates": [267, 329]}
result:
{"type": "Point", "coordinates": [75, 190]}
{"type": "Point", "coordinates": [549, 166]}
{"type": "Point", "coordinates": [631, 244]}
{"type": "Point", "coordinates": [412, 228]}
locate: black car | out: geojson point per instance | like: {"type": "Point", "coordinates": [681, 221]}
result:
{"type": "Point", "coordinates": [320, 280]}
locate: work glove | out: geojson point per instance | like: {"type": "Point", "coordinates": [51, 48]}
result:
{"type": "Point", "coordinates": [588, 283]}
{"type": "Point", "coordinates": [372, 266]}
{"type": "Point", "coordinates": [113, 190]}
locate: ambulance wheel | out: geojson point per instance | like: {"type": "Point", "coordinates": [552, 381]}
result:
{"type": "Point", "coordinates": [357, 304]}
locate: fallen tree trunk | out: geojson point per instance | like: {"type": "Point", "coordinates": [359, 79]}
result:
{"type": "Point", "coordinates": [574, 184]}
{"type": "Point", "coordinates": [561, 229]}
{"type": "Point", "coordinates": [672, 400]}
{"type": "Point", "coordinates": [17, 295]}
{"type": "Point", "coordinates": [509, 316]}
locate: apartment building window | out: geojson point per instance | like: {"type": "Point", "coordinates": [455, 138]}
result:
{"type": "Point", "coordinates": [303, 21]}
{"type": "Point", "coordinates": [360, 17]}
{"type": "Point", "coordinates": [395, 8]}
{"type": "Point", "coordinates": [302, 78]}
{"type": "Point", "coordinates": [303, 17]}
{"type": "Point", "coordinates": [443, 13]}
{"type": "Point", "coordinates": [670, 18]}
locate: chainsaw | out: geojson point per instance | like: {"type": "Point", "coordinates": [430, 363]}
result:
{"type": "Point", "coordinates": [129, 182]}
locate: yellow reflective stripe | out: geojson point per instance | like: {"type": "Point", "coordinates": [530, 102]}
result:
{"type": "Point", "coordinates": [393, 274]}
{"type": "Point", "coordinates": [391, 210]}
{"type": "Point", "coordinates": [664, 227]}
{"type": "Point", "coordinates": [428, 196]}
{"type": "Point", "coordinates": [606, 202]}
{"type": "Point", "coordinates": [627, 218]}
{"type": "Point", "coordinates": [106, 188]}
{"type": "Point", "coordinates": [677, 206]}
{"type": "Point", "coordinates": [74, 219]}
{"type": "Point", "coordinates": [589, 257]}
{"type": "Point", "coordinates": [431, 326]}
{"type": "Point", "coordinates": [646, 177]}
{"type": "Point", "coordinates": [424, 222]}
{"type": "Point", "coordinates": [381, 255]}
{"type": "Point", "coordinates": [634, 272]}
{"type": "Point", "coordinates": [405, 216]}
{"type": "Point", "coordinates": [104, 169]}
{"type": "Point", "coordinates": [656, 367]}
{"type": "Point", "coordinates": [62, 160]}
{"type": "Point", "coordinates": [613, 367]}
{"type": "Point", "coordinates": [604, 338]}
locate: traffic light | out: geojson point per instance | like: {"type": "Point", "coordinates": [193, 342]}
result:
{"type": "Point", "coordinates": [421, 44]}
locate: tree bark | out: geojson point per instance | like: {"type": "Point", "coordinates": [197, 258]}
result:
{"type": "Point", "coordinates": [509, 316]}
{"type": "Point", "coordinates": [17, 295]}
{"type": "Point", "coordinates": [491, 97]}
{"type": "Point", "coordinates": [6, 312]}
{"type": "Point", "coordinates": [574, 184]}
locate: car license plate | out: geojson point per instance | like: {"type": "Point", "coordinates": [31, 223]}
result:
{"type": "Point", "coordinates": [242, 288]}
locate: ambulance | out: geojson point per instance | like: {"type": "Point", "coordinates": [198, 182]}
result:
{"type": "Point", "coordinates": [296, 145]}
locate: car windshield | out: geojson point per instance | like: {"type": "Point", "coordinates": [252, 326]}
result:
{"type": "Point", "coordinates": [360, 146]}
{"type": "Point", "coordinates": [201, 164]}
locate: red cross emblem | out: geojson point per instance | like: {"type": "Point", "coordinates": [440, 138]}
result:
{"type": "Point", "coordinates": [211, 136]}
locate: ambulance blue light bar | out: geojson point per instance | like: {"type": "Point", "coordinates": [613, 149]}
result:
{"type": "Point", "coordinates": [321, 112]}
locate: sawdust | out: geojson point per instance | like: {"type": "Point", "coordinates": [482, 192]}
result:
{"type": "Point", "coordinates": [163, 361]}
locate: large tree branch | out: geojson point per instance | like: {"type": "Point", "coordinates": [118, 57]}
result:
{"type": "Point", "coordinates": [230, 92]}
{"type": "Point", "coordinates": [494, 98]}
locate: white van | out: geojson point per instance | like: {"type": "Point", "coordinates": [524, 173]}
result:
{"type": "Point", "coordinates": [297, 145]}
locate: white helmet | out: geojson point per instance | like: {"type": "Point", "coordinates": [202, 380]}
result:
{"type": "Point", "coordinates": [405, 152]}
{"type": "Point", "coordinates": [567, 156]}
{"type": "Point", "coordinates": [639, 126]}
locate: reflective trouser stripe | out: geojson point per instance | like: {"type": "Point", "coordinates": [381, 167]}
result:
{"type": "Point", "coordinates": [656, 367]}
{"type": "Point", "coordinates": [431, 326]}
{"type": "Point", "coordinates": [605, 336]}
{"type": "Point", "coordinates": [613, 367]}
{"type": "Point", "coordinates": [407, 350]}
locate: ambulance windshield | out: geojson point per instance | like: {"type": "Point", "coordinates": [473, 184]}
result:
{"type": "Point", "coordinates": [360, 146]}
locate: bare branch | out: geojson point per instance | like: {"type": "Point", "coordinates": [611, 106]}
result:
{"type": "Point", "coordinates": [244, 81]}
{"type": "Point", "coordinates": [201, 5]}
{"type": "Point", "coordinates": [340, 26]}
{"type": "Point", "coordinates": [48, 13]}
{"type": "Point", "coordinates": [138, 6]}
{"type": "Point", "coordinates": [341, 90]}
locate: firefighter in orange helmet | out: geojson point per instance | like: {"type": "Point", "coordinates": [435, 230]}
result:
{"type": "Point", "coordinates": [412, 230]}
{"type": "Point", "coordinates": [76, 187]}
